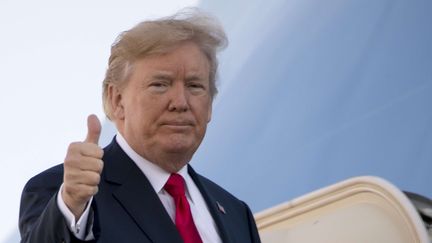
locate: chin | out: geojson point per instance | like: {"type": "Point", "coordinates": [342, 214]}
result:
{"type": "Point", "coordinates": [179, 144]}
{"type": "Point", "coordinates": [177, 148]}
{"type": "Point", "coordinates": [179, 152]}
{"type": "Point", "coordinates": [175, 156]}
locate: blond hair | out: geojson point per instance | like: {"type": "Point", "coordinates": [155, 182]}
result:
{"type": "Point", "coordinates": [159, 36]}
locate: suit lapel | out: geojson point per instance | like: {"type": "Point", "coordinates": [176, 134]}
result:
{"type": "Point", "coordinates": [216, 209]}
{"type": "Point", "coordinates": [138, 197]}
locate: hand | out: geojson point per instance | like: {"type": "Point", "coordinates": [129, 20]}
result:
{"type": "Point", "coordinates": [82, 168]}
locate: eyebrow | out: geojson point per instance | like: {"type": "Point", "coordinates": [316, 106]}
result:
{"type": "Point", "coordinates": [168, 75]}
{"type": "Point", "coordinates": [162, 76]}
{"type": "Point", "coordinates": [194, 77]}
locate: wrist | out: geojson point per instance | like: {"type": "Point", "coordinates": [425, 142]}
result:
{"type": "Point", "coordinates": [76, 208]}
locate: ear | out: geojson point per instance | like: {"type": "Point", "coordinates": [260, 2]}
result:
{"type": "Point", "coordinates": [116, 102]}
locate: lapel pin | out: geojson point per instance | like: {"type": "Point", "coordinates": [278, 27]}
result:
{"type": "Point", "coordinates": [220, 207]}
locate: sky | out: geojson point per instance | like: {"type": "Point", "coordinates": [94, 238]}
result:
{"type": "Point", "coordinates": [54, 56]}
{"type": "Point", "coordinates": [315, 92]}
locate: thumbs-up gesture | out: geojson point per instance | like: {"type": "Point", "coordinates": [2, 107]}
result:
{"type": "Point", "coordinates": [82, 168]}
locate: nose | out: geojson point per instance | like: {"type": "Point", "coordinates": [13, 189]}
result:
{"type": "Point", "coordinates": [178, 98]}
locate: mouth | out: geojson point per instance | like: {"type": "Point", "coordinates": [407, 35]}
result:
{"type": "Point", "coordinates": [178, 124]}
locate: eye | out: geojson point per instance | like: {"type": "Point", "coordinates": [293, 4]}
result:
{"type": "Point", "coordinates": [196, 85]}
{"type": "Point", "coordinates": [158, 86]}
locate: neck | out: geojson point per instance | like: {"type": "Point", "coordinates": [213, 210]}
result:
{"type": "Point", "coordinates": [171, 163]}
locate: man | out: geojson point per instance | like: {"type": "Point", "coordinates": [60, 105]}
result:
{"type": "Point", "coordinates": [158, 91]}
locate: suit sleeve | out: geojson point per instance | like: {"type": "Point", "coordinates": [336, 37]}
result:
{"type": "Point", "coordinates": [40, 219]}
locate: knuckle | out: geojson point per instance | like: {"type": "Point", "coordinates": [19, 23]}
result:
{"type": "Point", "coordinates": [70, 190]}
{"type": "Point", "coordinates": [70, 169]}
{"type": "Point", "coordinates": [94, 179]}
{"type": "Point", "coordinates": [67, 179]}
{"type": "Point", "coordinates": [68, 175]}
{"type": "Point", "coordinates": [100, 152]}
{"type": "Point", "coordinates": [74, 146]}
{"type": "Point", "coordinates": [97, 179]}
{"type": "Point", "coordinates": [66, 162]}
{"type": "Point", "coordinates": [95, 190]}
{"type": "Point", "coordinates": [70, 159]}
{"type": "Point", "coordinates": [97, 151]}
{"type": "Point", "coordinates": [100, 166]}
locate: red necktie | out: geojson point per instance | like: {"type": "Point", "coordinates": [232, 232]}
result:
{"type": "Point", "coordinates": [175, 186]}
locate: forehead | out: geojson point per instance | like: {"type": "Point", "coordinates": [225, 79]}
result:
{"type": "Point", "coordinates": [186, 56]}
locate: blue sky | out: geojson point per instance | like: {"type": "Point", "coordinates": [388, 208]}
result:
{"type": "Point", "coordinates": [315, 92]}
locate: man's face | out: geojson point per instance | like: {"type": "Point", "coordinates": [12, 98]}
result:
{"type": "Point", "coordinates": [164, 109]}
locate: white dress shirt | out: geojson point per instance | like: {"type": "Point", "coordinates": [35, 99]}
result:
{"type": "Point", "coordinates": [157, 177]}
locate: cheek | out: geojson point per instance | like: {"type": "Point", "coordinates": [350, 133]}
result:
{"type": "Point", "coordinates": [134, 111]}
{"type": "Point", "coordinates": [207, 110]}
{"type": "Point", "coordinates": [146, 111]}
{"type": "Point", "coordinates": [204, 113]}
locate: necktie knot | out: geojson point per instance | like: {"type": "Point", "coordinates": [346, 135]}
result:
{"type": "Point", "coordinates": [175, 185]}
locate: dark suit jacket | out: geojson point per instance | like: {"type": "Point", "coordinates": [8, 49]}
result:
{"type": "Point", "coordinates": [126, 208]}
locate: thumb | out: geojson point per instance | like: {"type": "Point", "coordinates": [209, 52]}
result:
{"type": "Point", "coordinates": [93, 129]}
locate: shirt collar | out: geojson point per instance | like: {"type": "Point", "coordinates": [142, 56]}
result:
{"type": "Point", "coordinates": [155, 174]}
